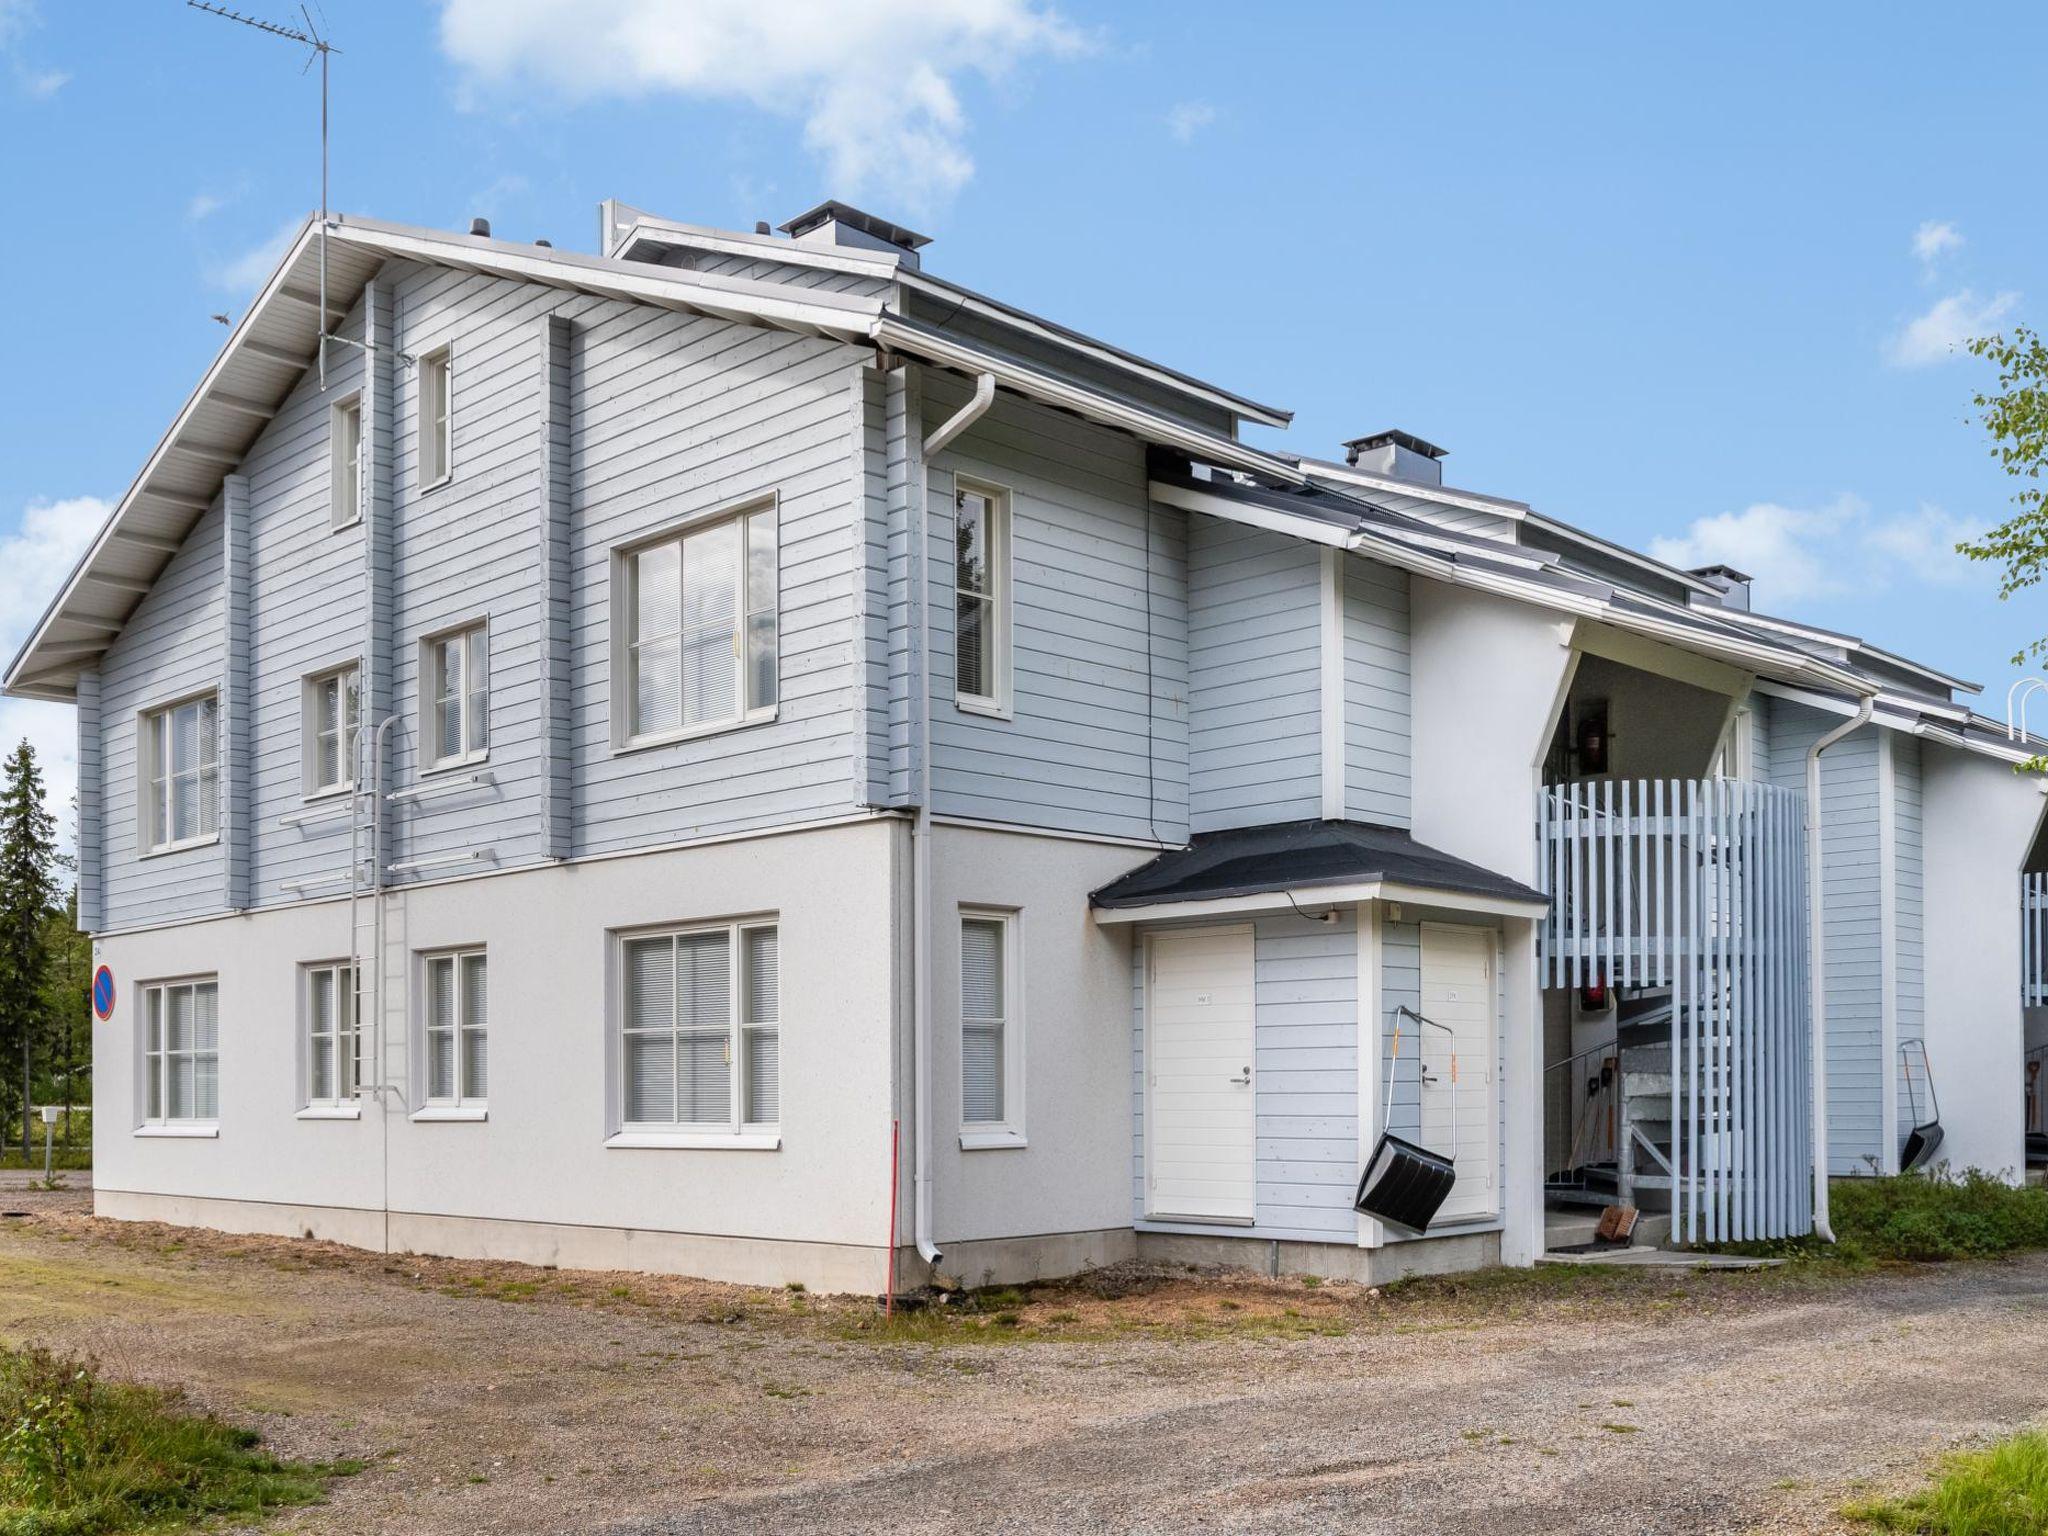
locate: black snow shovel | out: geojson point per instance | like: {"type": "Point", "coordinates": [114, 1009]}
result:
{"type": "Point", "coordinates": [1405, 1185]}
{"type": "Point", "coordinates": [1924, 1140]}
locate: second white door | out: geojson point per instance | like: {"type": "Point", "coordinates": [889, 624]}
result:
{"type": "Point", "coordinates": [1201, 1121]}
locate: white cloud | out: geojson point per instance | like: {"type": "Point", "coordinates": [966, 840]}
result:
{"type": "Point", "coordinates": [1798, 553]}
{"type": "Point", "coordinates": [1934, 239]}
{"type": "Point", "coordinates": [1942, 332]}
{"type": "Point", "coordinates": [874, 83]}
{"type": "Point", "coordinates": [1189, 118]}
{"type": "Point", "coordinates": [204, 205]}
{"type": "Point", "coordinates": [248, 271]}
{"type": "Point", "coordinates": [42, 84]}
{"type": "Point", "coordinates": [18, 18]}
{"type": "Point", "coordinates": [34, 560]}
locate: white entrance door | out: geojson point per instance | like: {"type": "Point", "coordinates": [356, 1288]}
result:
{"type": "Point", "coordinates": [1458, 991]}
{"type": "Point", "coordinates": [1200, 1125]}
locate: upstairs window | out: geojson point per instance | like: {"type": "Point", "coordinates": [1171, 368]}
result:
{"type": "Point", "coordinates": [698, 642]}
{"type": "Point", "coordinates": [181, 1052]}
{"type": "Point", "coordinates": [699, 1031]}
{"type": "Point", "coordinates": [981, 599]}
{"type": "Point", "coordinates": [345, 463]}
{"type": "Point", "coordinates": [181, 774]}
{"type": "Point", "coordinates": [333, 710]}
{"type": "Point", "coordinates": [455, 674]}
{"type": "Point", "coordinates": [436, 417]}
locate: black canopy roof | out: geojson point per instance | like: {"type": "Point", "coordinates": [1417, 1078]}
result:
{"type": "Point", "coordinates": [1288, 855]}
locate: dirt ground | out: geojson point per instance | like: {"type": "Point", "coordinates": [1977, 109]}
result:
{"type": "Point", "coordinates": [493, 1397]}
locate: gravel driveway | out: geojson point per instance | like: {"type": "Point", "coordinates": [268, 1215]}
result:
{"type": "Point", "coordinates": [497, 1398]}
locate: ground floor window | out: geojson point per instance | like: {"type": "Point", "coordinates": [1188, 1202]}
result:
{"type": "Point", "coordinates": [181, 1051]}
{"type": "Point", "coordinates": [991, 1039]}
{"type": "Point", "coordinates": [457, 1027]}
{"type": "Point", "coordinates": [334, 1063]}
{"type": "Point", "coordinates": [700, 1029]}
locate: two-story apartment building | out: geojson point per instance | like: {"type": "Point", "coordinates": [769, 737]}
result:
{"type": "Point", "coordinates": [737, 755]}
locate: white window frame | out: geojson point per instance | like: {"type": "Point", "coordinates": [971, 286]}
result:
{"type": "Point", "coordinates": [1736, 758]}
{"type": "Point", "coordinates": [155, 774]}
{"type": "Point", "coordinates": [346, 731]}
{"type": "Point", "coordinates": [985, 1135]}
{"type": "Point", "coordinates": [996, 640]}
{"type": "Point", "coordinates": [735, 1133]}
{"type": "Point", "coordinates": [626, 639]}
{"type": "Point", "coordinates": [434, 416]}
{"type": "Point", "coordinates": [461, 1105]}
{"type": "Point", "coordinates": [344, 1103]}
{"type": "Point", "coordinates": [346, 463]}
{"type": "Point", "coordinates": [153, 1093]}
{"type": "Point", "coordinates": [475, 635]}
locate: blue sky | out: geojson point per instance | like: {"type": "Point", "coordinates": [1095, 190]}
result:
{"type": "Point", "coordinates": [1688, 278]}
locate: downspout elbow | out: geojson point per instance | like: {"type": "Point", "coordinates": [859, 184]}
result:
{"type": "Point", "coordinates": [978, 403]}
{"type": "Point", "coordinates": [1816, 938]}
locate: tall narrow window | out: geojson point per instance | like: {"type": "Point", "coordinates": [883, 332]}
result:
{"type": "Point", "coordinates": [436, 417]}
{"type": "Point", "coordinates": [980, 561]}
{"type": "Point", "coordinates": [181, 777]}
{"type": "Point", "coordinates": [990, 1096]}
{"type": "Point", "coordinates": [699, 1030]}
{"type": "Point", "coordinates": [181, 1052]}
{"type": "Point", "coordinates": [458, 1028]}
{"type": "Point", "coordinates": [334, 1065]}
{"type": "Point", "coordinates": [333, 711]}
{"type": "Point", "coordinates": [455, 673]}
{"type": "Point", "coordinates": [345, 462]}
{"type": "Point", "coordinates": [699, 642]}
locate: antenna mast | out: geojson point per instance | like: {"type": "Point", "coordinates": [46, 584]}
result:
{"type": "Point", "coordinates": [322, 48]}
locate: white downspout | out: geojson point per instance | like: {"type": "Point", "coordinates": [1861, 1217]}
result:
{"type": "Point", "coordinates": [1817, 967]}
{"type": "Point", "coordinates": [921, 839]}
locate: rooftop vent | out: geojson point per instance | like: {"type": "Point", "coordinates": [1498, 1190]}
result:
{"type": "Point", "coordinates": [835, 223]}
{"type": "Point", "coordinates": [481, 228]}
{"type": "Point", "coordinates": [1733, 585]}
{"type": "Point", "coordinates": [1400, 455]}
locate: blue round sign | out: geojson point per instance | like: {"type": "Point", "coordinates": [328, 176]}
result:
{"type": "Point", "coordinates": [103, 993]}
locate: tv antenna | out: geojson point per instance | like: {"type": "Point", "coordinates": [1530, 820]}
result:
{"type": "Point", "coordinates": [310, 37]}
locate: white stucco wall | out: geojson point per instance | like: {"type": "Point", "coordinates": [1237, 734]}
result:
{"type": "Point", "coordinates": [1980, 820]}
{"type": "Point", "coordinates": [540, 1160]}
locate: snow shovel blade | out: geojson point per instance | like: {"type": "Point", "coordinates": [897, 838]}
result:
{"type": "Point", "coordinates": [1404, 1185]}
{"type": "Point", "coordinates": [1921, 1144]}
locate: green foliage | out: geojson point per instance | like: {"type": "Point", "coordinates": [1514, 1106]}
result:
{"type": "Point", "coordinates": [2016, 415]}
{"type": "Point", "coordinates": [28, 894]}
{"type": "Point", "coordinates": [1999, 1492]}
{"type": "Point", "coordinates": [1921, 1219]}
{"type": "Point", "coordinates": [79, 1456]}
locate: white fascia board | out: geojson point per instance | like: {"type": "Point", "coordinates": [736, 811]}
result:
{"type": "Point", "coordinates": [1443, 495]}
{"type": "Point", "coordinates": [731, 298]}
{"type": "Point", "coordinates": [1316, 898]}
{"type": "Point", "coordinates": [729, 242]}
{"type": "Point", "coordinates": [1148, 426]}
{"type": "Point", "coordinates": [1850, 643]}
{"type": "Point", "coordinates": [1230, 510]}
{"type": "Point", "coordinates": [1623, 553]}
{"type": "Point", "coordinates": [23, 668]}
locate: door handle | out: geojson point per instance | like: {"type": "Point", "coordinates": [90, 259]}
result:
{"type": "Point", "coordinates": [1244, 1078]}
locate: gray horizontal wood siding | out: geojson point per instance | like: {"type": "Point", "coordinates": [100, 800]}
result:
{"type": "Point", "coordinates": [1910, 863]}
{"type": "Point", "coordinates": [1376, 693]}
{"type": "Point", "coordinates": [1096, 741]}
{"type": "Point", "coordinates": [1254, 677]}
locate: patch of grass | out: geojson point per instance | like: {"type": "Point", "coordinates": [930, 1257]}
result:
{"type": "Point", "coordinates": [1920, 1219]}
{"type": "Point", "coordinates": [2002, 1491]}
{"type": "Point", "coordinates": [80, 1456]}
{"type": "Point", "coordinates": [1623, 1429]}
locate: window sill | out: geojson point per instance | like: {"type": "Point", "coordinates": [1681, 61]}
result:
{"type": "Point", "coordinates": [451, 1114]}
{"type": "Point", "coordinates": [354, 522]}
{"type": "Point", "coordinates": [697, 1141]}
{"type": "Point", "coordinates": [185, 847]}
{"type": "Point", "coordinates": [435, 485]}
{"type": "Point", "coordinates": [981, 1140]}
{"type": "Point", "coordinates": [330, 1112]}
{"type": "Point", "coordinates": [697, 732]}
{"type": "Point", "coordinates": [327, 792]}
{"type": "Point", "coordinates": [988, 709]}
{"type": "Point", "coordinates": [450, 764]}
{"type": "Point", "coordinates": [184, 1131]}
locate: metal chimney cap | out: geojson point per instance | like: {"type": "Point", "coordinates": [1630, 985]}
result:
{"type": "Point", "coordinates": [481, 228]}
{"type": "Point", "coordinates": [1399, 439]}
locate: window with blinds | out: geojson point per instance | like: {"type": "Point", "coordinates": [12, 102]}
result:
{"type": "Point", "coordinates": [699, 1029]}
{"type": "Point", "coordinates": [989, 1094]}
{"type": "Point", "coordinates": [455, 675]}
{"type": "Point", "coordinates": [457, 1033]}
{"type": "Point", "coordinates": [980, 599]}
{"type": "Point", "coordinates": [181, 1052]}
{"type": "Point", "coordinates": [698, 647]}
{"type": "Point", "coordinates": [333, 710]}
{"type": "Point", "coordinates": [334, 1064]}
{"type": "Point", "coordinates": [181, 774]}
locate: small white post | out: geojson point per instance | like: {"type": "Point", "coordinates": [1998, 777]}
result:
{"type": "Point", "coordinates": [49, 1130]}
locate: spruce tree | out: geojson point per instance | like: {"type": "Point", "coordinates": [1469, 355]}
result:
{"type": "Point", "coordinates": [28, 893]}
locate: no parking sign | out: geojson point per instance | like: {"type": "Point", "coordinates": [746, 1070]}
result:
{"type": "Point", "coordinates": [103, 993]}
